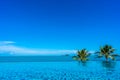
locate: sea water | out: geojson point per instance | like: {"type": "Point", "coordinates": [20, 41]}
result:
{"type": "Point", "coordinates": [60, 70]}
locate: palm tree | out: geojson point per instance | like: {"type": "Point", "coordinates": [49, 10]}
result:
{"type": "Point", "coordinates": [107, 51]}
{"type": "Point", "coordinates": [81, 55]}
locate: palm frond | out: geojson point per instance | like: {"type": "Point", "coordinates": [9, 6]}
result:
{"type": "Point", "coordinates": [107, 51]}
{"type": "Point", "coordinates": [81, 55]}
{"type": "Point", "coordinates": [115, 55]}
{"type": "Point", "coordinates": [112, 57]}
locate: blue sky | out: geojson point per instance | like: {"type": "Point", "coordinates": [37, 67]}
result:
{"type": "Point", "coordinates": [60, 24]}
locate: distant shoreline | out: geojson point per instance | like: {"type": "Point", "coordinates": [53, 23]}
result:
{"type": "Point", "coordinates": [42, 59]}
{"type": "Point", "coordinates": [34, 58]}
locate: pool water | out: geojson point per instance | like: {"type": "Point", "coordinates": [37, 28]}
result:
{"type": "Point", "coordinates": [91, 70]}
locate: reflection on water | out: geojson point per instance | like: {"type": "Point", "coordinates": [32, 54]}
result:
{"type": "Point", "coordinates": [108, 64]}
{"type": "Point", "coordinates": [84, 64]}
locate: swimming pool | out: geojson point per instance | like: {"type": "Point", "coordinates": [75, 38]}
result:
{"type": "Point", "coordinates": [72, 70]}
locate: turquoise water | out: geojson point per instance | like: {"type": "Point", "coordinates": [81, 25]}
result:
{"type": "Point", "coordinates": [72, 70]}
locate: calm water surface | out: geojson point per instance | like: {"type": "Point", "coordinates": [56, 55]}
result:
{"type": "Point", "coordinates": [72, 70]}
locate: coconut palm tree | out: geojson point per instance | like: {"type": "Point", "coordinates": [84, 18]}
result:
{"type": "Point", "coordinates": [107, 51]}
{"type": "Point", "coordinates": [82, 55]}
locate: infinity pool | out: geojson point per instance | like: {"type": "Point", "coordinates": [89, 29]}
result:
{"type": "Point", "coordinates": [92, 70]}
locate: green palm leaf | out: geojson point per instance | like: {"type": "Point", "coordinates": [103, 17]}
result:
{"type": "Point", "coordinates": [107, 51]}
{"type": "Point", "coordinates": [81, 55]}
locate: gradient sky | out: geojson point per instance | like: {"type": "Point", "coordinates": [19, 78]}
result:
{"type": "Point", "coordinates": [60, 24]}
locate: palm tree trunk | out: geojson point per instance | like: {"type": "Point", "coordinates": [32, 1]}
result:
{"type": "Point", "coordinates": [106, 57]}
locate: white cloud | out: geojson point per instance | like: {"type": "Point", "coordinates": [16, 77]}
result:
{"type": "Point", "coordinates": [6, 42]}
{"type": "Point", "coordinates": [8, 47]}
